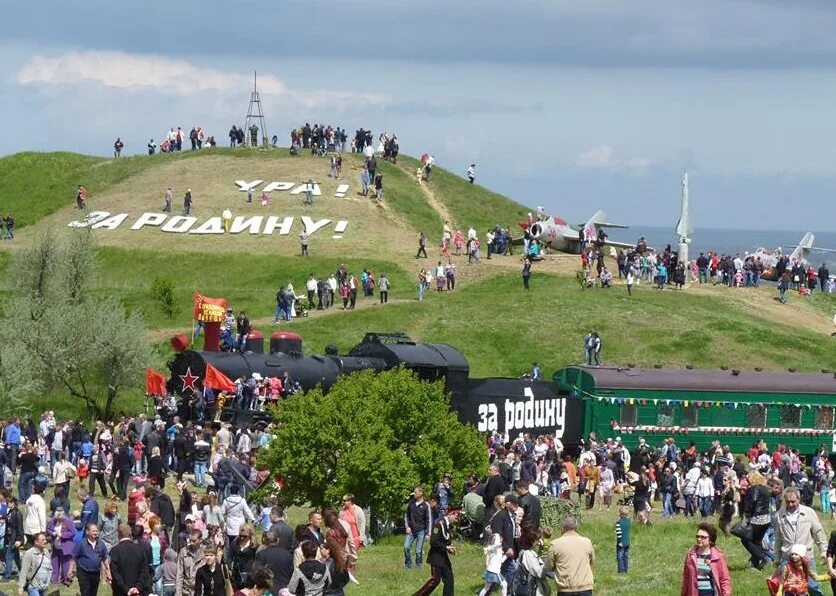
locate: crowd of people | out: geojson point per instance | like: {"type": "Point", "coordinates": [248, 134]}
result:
{"type": "Point", "coordinates": [764, 497]}
{"type": "Point", "coordinates": [141, 542]}
{"type": "Point", "coordinates": [663, 269]}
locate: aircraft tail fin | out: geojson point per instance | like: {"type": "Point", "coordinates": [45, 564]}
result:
{"type": "Point", "coordinates": [595, 223]}
{"type": "Point", "coordinates": [803, 249]}
{"type": "Point", "coordinates": [600, 220]}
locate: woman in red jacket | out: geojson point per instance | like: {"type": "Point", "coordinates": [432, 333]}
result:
{"type": "Point", "coordinates": [706, 571]}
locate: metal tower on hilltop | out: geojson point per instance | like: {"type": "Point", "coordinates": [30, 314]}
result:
{"type": "Point", "coordinates": [255, 118]}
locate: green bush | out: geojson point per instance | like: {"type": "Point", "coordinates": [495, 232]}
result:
{"type": "Point", "coordinates": [162, 289]}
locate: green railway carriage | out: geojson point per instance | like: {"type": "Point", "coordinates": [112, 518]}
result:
{"type": "Point", "coordinates": [734, 407]}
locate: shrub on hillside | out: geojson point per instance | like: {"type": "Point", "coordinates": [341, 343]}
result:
{"type": "Point", "coordinates": [162, 289]}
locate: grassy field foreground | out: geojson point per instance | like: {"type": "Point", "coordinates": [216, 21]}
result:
{"type": "Point", "coordinates": [656, 557]}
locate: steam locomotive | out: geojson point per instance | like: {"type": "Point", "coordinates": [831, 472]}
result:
{"type": "Point", "coordinates": [508, 405]}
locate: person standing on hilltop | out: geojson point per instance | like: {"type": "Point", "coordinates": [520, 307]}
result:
{"type": "Point", "coordinates": [471, 173]}
{"type": "Point", "coordinates": [117, 147]}
{"type": "Point", "coordinates": [824, 273]}
{"type": "Point", "coordinates": [152, 147]}
{"type": "Point", "coordinates": [187, 202]}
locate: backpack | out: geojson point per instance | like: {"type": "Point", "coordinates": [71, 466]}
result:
{"type": "Point", "coordinates": [524, 583]}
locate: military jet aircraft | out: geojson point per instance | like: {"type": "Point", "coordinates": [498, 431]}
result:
{"type": "Point", "coordinates": [557, 234]}
{"type": "Point", "coordinates": [801, 254]}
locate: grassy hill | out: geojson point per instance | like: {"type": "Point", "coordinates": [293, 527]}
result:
{"type": "Point", "coordinates": [498, 327]}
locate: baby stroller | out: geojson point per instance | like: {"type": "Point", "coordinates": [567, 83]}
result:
{"type": "Point", "coordinates": [627, 493]}
{"type": "Point", "coordinates": [302, 306]}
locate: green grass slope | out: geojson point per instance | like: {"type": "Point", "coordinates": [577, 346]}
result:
{"type": "Point", "coordinates": [501, 329]}
{"type": "Point", "coordinates": [471, 204]}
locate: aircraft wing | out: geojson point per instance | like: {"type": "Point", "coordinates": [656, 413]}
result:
{"type": "Point", "coordinates": [619, 244]}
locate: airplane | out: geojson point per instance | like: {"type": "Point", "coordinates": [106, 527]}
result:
{"type": "Point", "coordinates": [557, 234]}
{"type": "Point", "coordinates": [800, 254]}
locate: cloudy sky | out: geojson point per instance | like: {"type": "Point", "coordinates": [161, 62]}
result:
{"type": "Point", "coordinates": [576, 106]}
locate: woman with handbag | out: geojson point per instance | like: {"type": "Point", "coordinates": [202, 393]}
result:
{"type": "Point", "coordinates": [242, 556]}
{"type": "Point", "coordinates": [756, 510]}
{"type": "Point", "coordinates": [61, 531]}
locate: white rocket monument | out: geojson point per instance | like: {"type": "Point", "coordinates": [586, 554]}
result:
{"type": "Point", "coordinates": [683, 228]}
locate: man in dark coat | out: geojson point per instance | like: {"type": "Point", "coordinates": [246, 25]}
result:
{"type": "Point", "coordinates": [493, 487]}
{"type": "Point", "coordinates": [441, 547]}
{"type": "Point", "coordinates": [129, 566]}
{"type": "Point", "coordinates": [277, 559]}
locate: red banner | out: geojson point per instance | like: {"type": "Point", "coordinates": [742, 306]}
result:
{"type": "Point", "coordinates": [154, 382]}
{"type": "Point", "coordinates": [208, 309]}
{"type": "Point", "coordinates": [217, 380]}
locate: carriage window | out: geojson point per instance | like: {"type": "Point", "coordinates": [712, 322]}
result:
{"type": "Point", "coordinates": [790, 416]}
{"type": "Point", "coordinates": [824, 418]}
{"type": "Point", "coordinates": [665, 416]}
{"type": "Point", "coordinates": [756, 416]}
{"type": "Point", "coordinates": [629, 415]}
{"type": "Point", "coordinates": [689, 416]}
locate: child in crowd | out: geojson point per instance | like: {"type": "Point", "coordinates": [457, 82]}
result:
{"type": "Point", "coordinates": [796, 574]}
{"type": "Point", "coordinates": [832, 494]}
{"type": "Point", "coordinates": [493, 562]}
{"type": "Point", "coordinates": [622, 539]}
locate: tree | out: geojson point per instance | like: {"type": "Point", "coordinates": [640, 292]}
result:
{"type": "Point", "coordinates": [56, 335]}
{"type": "Point", "coordinates": [375, 435]}
{"type": "Point", "coordinates": [162, 289]}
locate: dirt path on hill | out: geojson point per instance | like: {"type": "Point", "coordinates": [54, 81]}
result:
{"type": "Point", "coordinates": [432, 199]}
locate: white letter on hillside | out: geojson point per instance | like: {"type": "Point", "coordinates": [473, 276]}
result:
{"type": "Point", "coordinates": [149, 219]}
{"type": "Point", "coordinates": [89, 219]}
{"type": "Point", "coordinates": [301, 188]}
{"type": "Point", "coordinates": [212, 225]}
{"type": "Point", "coordinates": [272, 224]}
{"type": "Point", "coordinates": [244, 186]}
{"type": "Point", "coordinates": [179, 224]}
{"type": "Point", "coordinates": [278, 186]}
{"type": "Point", "coordinates": [241, 223]}
{"type": "Point", "coordinates": [311, 226]}
{"type": "Point", "coordinates": [111, 223]}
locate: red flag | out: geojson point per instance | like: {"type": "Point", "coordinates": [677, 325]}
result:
{"type": "Point", "coordinates": [205, 308]}
{"type": "Point", "coordinates": [217, 380]}
{"type": "Point", "coordinates": [154, 382]}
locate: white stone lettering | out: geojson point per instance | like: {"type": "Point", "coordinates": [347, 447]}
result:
{"type": "Point", "coordinates": [312, 226]}
{"type": "Point", "coordinates": [179, 224]}
{"type": "Point", "coordinates": [278, 186]}
{"type": "Point", "coordinates": [341, 191]}
{"type": "Point", "coordinates": [301, 188]}
{"type": "Point", "coordinates": [272, 224]}
{"type": "Point", "coordinates": [213, 225]}
{"type": "Point", "coordinates": [149, 219]}
{"type": "Point", "coordinates": [245, 186]}
{"type": "Point", "coordinates": [111, 223]}
{"type": "Point", "coordinates": [89, 219]}
{"type": "Point", "coordinates": [241, 223]}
